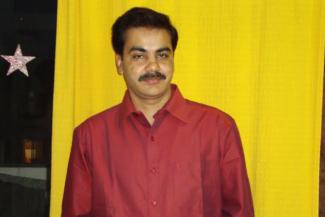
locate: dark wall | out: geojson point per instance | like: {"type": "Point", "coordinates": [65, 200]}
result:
{"type": "Point", "coordinates": [26, 102]}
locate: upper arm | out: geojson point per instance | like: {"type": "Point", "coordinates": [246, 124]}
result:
{"type": "Point", "coordinates": [77, 192]}
{"type": "Point", "coordinates": [236, 194]}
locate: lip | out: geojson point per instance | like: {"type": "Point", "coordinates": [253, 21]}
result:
{"type": "Point", "coordinates": [152, 81]}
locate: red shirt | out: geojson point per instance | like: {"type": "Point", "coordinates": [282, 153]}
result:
{"type": "Point", "coordinates": [189, 163]}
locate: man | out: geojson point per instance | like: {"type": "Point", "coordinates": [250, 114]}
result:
{"type": "Point", "coordinates": [155, 154]}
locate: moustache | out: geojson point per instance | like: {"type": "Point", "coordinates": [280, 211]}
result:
{"type": "Point", "coordinates": [151, 75]}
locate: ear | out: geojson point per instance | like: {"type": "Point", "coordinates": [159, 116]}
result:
{"type": "Point", "coordinates": [118, 64]}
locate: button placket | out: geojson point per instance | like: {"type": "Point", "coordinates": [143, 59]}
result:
{"type": "Point", "coordinates": [153, 172]}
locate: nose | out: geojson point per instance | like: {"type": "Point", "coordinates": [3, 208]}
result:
{"type": "Point", "coordinates": [152, 65]}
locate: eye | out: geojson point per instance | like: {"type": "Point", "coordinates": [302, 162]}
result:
{"type": "Point", "coordinates": [137, 56]}
{"type": "Point", "coordinates": [163, 55]}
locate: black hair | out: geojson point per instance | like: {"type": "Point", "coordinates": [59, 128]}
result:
{"type": "Point", "coordinates": [140, 17]}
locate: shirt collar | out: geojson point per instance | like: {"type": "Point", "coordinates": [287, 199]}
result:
{"type": "Point", "coordinates": [176, 105]}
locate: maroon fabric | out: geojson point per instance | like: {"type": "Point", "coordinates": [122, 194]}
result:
{"type": "Point", "coordinates": [189, 163]}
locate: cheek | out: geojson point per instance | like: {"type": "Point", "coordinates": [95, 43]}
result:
{"type": "Point", "coordinates": [168, 67]}
{"type": "Point", "coordinates": [132, 74]}
{"type": "Point", "coordinates": [129, 69]}
{"type": "Point", "coordinates": [135, 67]}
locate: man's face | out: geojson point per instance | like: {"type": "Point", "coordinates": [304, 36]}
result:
{"type": "Point", "coordinates": [147, 63]}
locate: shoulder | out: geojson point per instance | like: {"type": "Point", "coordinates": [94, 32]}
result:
{"type": "Point", "coordinates": [100, 119]}
{"type": "Point", "coordinates": [208, 114]}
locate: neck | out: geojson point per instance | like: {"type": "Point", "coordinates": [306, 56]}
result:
{"type": "Point", "coordinates": [150, 106]}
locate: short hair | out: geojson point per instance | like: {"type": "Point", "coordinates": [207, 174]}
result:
{"type": "Point", "coordinates": [140, 17]}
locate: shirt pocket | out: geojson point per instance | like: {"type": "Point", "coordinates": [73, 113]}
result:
{"type": "Point", "coordinates": [187, 188]}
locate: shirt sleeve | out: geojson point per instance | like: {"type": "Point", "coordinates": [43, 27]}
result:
{"type": "Point", "coordinates": [77, 193]}
{"type": "Point", "coordinates": [236, 193]}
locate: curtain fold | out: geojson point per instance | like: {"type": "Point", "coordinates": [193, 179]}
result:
{"type": "Point", "coordinates": [261, 61]}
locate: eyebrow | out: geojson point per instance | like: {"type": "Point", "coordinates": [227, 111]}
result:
{"type": "Point", "coordinates": [144, 50]}
{"type": "Point", "coordinates": [137, 49]}
{"type": "Point", "coordinates": [163, 49]}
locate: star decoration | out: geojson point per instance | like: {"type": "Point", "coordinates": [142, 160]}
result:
{"type": "Point", "coordinates": [18, 61]}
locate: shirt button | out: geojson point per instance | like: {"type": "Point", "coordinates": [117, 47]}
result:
{"type": "Point", "coordinates": [154, 203]}
{"type": "Point", "coordinates": [154, 170]}
{"type": "Point", "coordinates": [152, 138]}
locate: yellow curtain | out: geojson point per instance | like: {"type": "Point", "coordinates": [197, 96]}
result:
{"type": "Point", "coordinates": [259, 60]}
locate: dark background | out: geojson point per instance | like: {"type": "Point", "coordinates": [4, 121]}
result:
{"type": "Point", "coordinates": [322, 160]}
{"type": "Point", "coordinates": [26, 102]}
{"type": "Point", "coordinates": [26, 106]}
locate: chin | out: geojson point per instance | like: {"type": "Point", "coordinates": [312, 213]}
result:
{"type": "Point", "coordinates": [155, 92]}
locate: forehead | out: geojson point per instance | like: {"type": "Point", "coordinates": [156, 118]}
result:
{"type": "Point", "coordinates": [147, 38]}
